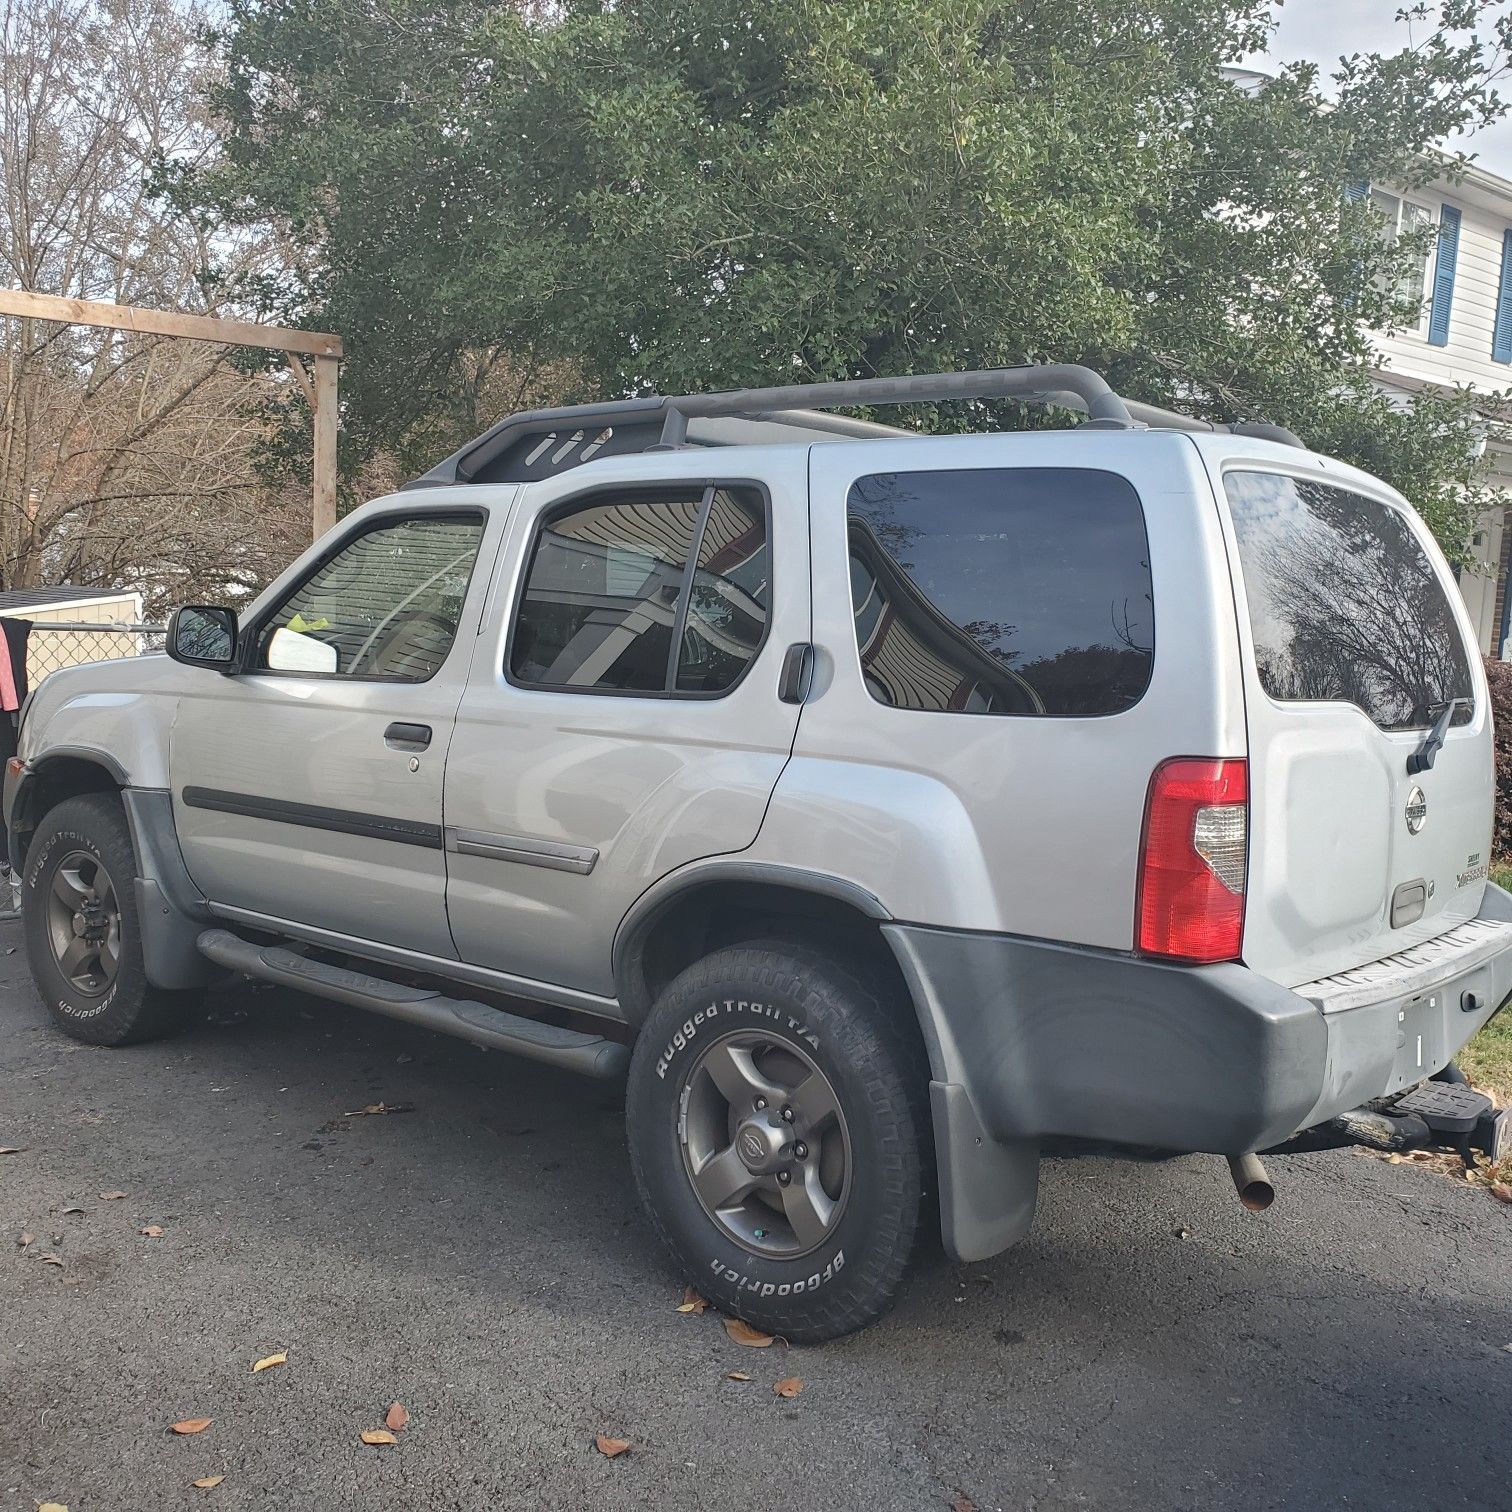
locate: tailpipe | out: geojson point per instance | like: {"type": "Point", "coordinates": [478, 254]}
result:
{"type": "Point", "coordinates": [1252, 1182]}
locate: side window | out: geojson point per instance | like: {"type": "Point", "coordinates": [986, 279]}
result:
{"type": "Point", "coordinates": [615, 586]}
{"type": "Point", "coordinates": [1002, 590]}
{"type": "Point", "coordinates": [385, 606]}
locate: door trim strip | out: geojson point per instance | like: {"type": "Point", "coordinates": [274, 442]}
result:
{"type": "Point", "coordinates": [489, 846]}
{"type": "Point", "coordinates": [313, 816]}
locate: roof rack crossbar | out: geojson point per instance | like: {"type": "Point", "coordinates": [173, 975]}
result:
{"type": "Point", "coordinates": [1036, 381]}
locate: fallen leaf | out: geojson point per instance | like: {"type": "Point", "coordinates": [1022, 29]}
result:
{"type": "Point", "coordinates": [610, 1447]}
{"type": "Point", "coordinates": [281, 1358]}
{"type": "Point", "coordinates": [396, 1418]}
{"type": "Point", "coordinates": [376, 1108]}
{"type": "Point", "coordinates": [11, 1149]}
{"type": "Point", "coordinates": [378, 1436]}
{"type": "Point", "coordinates": [51, 1507]}
{"type": "Point", "coordinates": [208, 1482]}
{"type": "Point", "coordinates": [960, 1502]}
{"type": "Point", "coordinates": [111, 1196]}
{"type": "Point", "coordinates": [24, 1240]}
{"type": "Point", "coordinates": [68, 1210]}
{"type": "Point", "coordinates": [736, 1375]}
{"type": "Point", "coordinates": [192, 1425]}
{"type": "Point", "coordinates": [152, 1231]}
{"type": "Point", "coordinates": [49, 1259]}
{"type": "Point", "coordinates": [1501, 1191]}
{"type": "Point", "coordinates": [743, 1333]}
{"type": "Point", "coordinates": [788, 1387]}
{"type": "Point", "coordinates": [692, 1302]}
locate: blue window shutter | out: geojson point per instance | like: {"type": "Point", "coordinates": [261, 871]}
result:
{"type": "Point", "coordinates": [1354, 193]}
{"type": "Point", "coordinates": [1443, 276]}
{"type": "Point", "coordinates": [1501, 335]}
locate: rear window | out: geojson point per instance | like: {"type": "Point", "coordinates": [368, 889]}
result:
{"type": "Point", "coordinates": [1344, 603]}
{"type": "Point", "coordinates": [1002, 590]}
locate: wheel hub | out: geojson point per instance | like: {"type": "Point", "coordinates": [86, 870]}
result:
{"type": "Point", "coordinates": [763, 1145]}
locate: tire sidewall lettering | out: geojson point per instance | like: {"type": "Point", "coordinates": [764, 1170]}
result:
{"type": "Point", "coordinates": [729, 1014]}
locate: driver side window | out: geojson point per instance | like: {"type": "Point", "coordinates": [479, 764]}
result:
{"type": "Point", "coordinates": [386, 606]}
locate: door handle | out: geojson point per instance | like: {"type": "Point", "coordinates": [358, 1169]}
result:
{"type": "Point", "coordinates": [797, 673]}
{"type": "Point", "coordinates": [407, 737]}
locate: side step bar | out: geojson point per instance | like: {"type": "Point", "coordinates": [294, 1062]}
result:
{"type": "Point", "coordinates": [590, 1054]}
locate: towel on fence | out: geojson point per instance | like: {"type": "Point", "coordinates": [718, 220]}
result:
{"type": "Point", "coordinates": [13, 662]}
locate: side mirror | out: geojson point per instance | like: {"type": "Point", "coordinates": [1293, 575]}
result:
{"type": "Point", "coordinates": [201, 635]}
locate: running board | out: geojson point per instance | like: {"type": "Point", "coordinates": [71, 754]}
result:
{"type": "Point", "coordinates": [590, 1054]}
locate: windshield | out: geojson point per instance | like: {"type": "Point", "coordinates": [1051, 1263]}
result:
{"type": "Point", "coordinates": [1344, 604]}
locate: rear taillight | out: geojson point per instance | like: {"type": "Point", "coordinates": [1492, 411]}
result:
{"type": "Point", "coordinates": [1193, 860]}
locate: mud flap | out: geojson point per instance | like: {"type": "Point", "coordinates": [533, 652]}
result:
{"type": "Point", "coordinates": [988, 1189]}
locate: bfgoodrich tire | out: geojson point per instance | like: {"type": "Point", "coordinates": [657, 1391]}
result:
{"type": "Point", "coordinates": [777, 1132]}
{"type": "Point", "coordinates": [79, 918]}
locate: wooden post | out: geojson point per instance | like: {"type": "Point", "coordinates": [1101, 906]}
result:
{"type": "Point", "coordinates": [325, 445]}
{"type": "Point", "coordinates": [321, 346]}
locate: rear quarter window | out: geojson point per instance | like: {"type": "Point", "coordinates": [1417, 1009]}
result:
{"type": "Point", "coordinates": [1344, 603]}
{"type": "Point", "coordinates": [1010, 591]}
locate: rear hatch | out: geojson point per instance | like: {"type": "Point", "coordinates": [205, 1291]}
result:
{"type": "Point", "coordinates": [1355, 640]}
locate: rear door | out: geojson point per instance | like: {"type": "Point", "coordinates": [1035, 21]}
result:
{"type": "Point", "coordinates": [621, 718]}
{"type": "Point", "coordinates": [1354, 640]}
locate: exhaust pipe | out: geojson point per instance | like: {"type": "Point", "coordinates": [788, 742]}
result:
{"type": "Point", "coordinates": [1252, 1182]}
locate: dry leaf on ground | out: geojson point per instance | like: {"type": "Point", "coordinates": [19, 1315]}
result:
{"type": "Point", "coordinates": [112, 1196]}
{"type": "Point", "coordinates": [396, 1418]}
{"type": "Point", "coordinates": [960, 1502]}
{"type": "Point", "coordinates": [208, 1482]}
{"type": "Point", "coordinates": [24, 1240]}
{"type": "Point", "coordinates": [50, 1259]}
{"type": "Point", "coordinates": [692, 1302]}
{"type": "Point", "coordinates": [378, 1436]}
{"type": "Point", "coordinates": [51, 1507]}
{"type": "Point", "coordinates": [68, 1210]}
{"type": "Point", "coordinates": [152, 1231]}
{"type": "Point", "coordinates": [375, 1108]}
{"type": "Point", "coordinates": [191, 1425]}
{"type": "Point", "coordinates": [743, 1333]}
{"type": "Point", "coordinates": [11, 1149]}
{"type": "Point", "coordinates": [610, 1447]}
{"type": "Point", "coordinates": [1501, 1191]}
{"type": "Point", "coordinates": [269, 1361]}
{"type": "Point", "coordinates": [788, 1387]}
{"type": "Point", "coordinates": [736, 1375]}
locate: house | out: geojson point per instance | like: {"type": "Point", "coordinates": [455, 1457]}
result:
{"type": "Point", "coordinates": [49, 649]}
{"type": "Point", "coordinates": [1462, 339]}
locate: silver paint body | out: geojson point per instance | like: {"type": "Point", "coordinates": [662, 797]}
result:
{"type": "Point", "coordinates": [561, 810]}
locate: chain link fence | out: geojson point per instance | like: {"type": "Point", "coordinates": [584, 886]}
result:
{"type": "Point", "coordinates": [51, 646]}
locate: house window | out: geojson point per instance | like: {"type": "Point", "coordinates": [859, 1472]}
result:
{"type": "Point", "coordinates": [1401, 217]}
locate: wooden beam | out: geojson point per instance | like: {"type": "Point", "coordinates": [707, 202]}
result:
{"type": "Point", "coordinates": [90, 312]}
{"type": "Point", "coordinates": [303, 378]}
{"type": "Point", "coordinates": [326, 417]}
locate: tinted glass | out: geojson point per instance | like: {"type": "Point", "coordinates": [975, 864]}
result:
{"type": "Point", "coordinates": [730, 595]}
{"type": "Point", "coordinates": [602, 596]}
{"type": "Point", "coordinates": [386, 605]}
{"type": "Point", "coordinates": [1002, 590]}
{"type": "Point", "coordinates": [1344, 604]}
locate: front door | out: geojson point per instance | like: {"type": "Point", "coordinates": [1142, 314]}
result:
{"type": "Point", "coordinates": [307, 786]}
{"type": "Point", "coordinates": [622, 718]}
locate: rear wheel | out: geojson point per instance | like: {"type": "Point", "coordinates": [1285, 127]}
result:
{"type": "Point", "coordinates": [80, 922]}
{"type": "Point", "coordinates": [778, 1137]}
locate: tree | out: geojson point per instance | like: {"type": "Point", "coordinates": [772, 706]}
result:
{"type": "Point", "coordinates": [125, 461]}
{"type": "Point", "coordinates": [672, 194]}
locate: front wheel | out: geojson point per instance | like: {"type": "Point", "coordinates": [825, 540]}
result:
{"type": "Point", "coordinates": [778, 1138]}
{"type": "Point", "coordinates": [78, 907]}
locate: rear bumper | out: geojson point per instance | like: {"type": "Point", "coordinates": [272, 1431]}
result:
{"type": "Point", "coordinates": [1029, 1039]}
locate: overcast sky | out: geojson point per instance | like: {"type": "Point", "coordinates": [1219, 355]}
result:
{"type": "Point", "coordinates": [1321, 31]}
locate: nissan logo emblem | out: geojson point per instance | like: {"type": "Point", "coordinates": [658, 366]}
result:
{"type": "Point", "coordinates": [1417, 810]}
{"type": "Point", "coordinates": [751, 1143]}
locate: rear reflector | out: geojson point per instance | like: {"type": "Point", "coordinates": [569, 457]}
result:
{"type": "Point", "coordinates": [1193, 860]}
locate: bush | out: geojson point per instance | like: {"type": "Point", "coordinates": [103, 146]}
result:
{"type": "Point", "coordinates": [1499, 675]}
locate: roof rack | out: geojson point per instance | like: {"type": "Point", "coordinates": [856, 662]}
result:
{"type": "Point", "coordinates": [542, 443]}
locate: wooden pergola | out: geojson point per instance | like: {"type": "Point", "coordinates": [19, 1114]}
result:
{"type": "Point", "coordinates": [316, 382]}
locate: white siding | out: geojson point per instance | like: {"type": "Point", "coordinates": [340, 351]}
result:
{"type": "Point", "coordinates": [1467, 357]}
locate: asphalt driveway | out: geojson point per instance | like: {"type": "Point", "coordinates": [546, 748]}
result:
{"type": "Point", "coordinates": [481, 1259]}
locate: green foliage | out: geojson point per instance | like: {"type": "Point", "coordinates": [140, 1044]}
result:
{"type": "Point", "coordinates": [677, 194]}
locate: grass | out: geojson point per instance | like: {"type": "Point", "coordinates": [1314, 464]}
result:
{"type": "Point", "coordinates": [1487, 1059]}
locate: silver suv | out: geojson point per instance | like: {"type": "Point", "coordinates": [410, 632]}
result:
{"type": "Point", "coordinates": [879, 805]}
